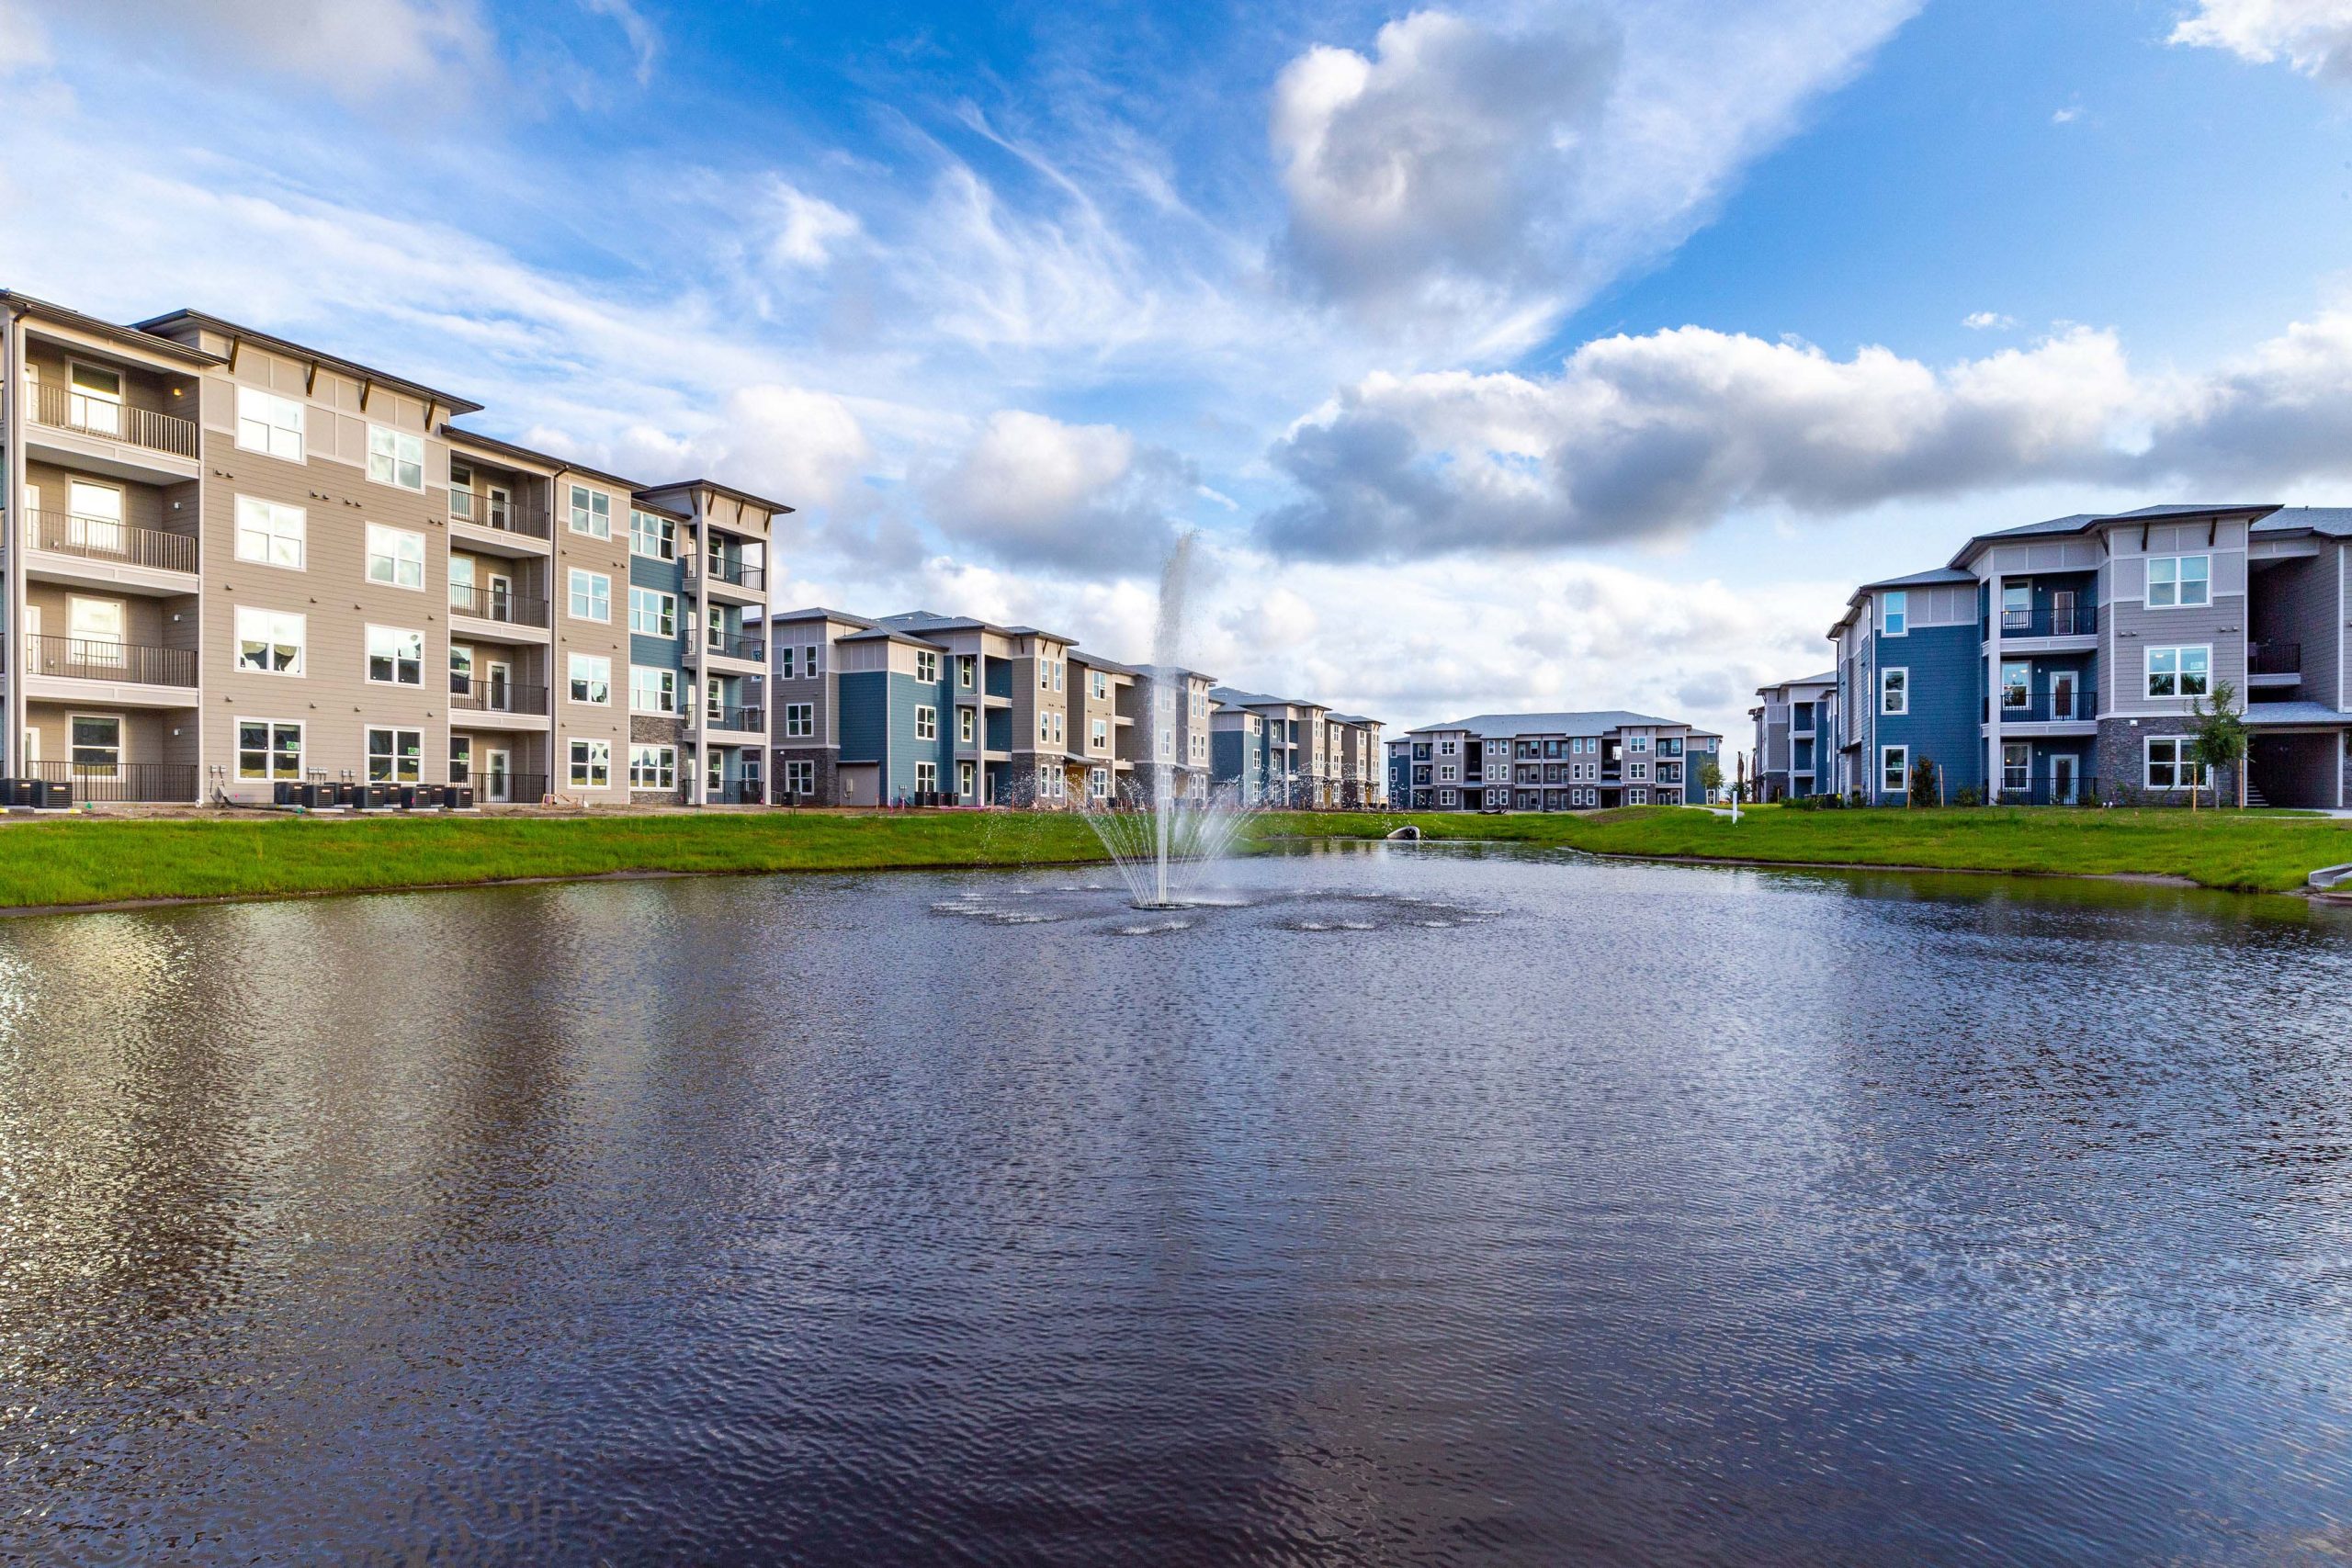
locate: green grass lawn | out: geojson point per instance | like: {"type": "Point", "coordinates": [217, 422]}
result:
{"type": "Point", "coordinates": [100, 860]}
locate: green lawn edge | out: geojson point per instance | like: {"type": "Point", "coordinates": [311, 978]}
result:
{"type": "Point", "coordinates": [84, 861]}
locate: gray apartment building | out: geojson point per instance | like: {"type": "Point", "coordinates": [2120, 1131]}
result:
{"type": "Point", "coordinates": [1552, 761]}
{"type": "Point", "coordinates": [2060, 662]}
{"type": "Point", "coordinates": [241, 562]}
{"type": "Point", "coordinates": [1794, 743]}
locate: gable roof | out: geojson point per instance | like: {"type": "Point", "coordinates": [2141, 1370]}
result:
{"type": "Point", "coordinates": [1502, 726]}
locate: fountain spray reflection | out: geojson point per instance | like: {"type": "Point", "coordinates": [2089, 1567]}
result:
{"type": "Point", "coordinates": [1164, 832]}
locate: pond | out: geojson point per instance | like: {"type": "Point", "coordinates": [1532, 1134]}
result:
{"type": "Point", "coordinates": [1412, 1204]}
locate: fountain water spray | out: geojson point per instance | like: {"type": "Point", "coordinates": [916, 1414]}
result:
{"type": "Point", "coordinates": [1159, 839]}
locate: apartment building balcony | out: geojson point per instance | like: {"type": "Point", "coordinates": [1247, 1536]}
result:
{"type": "Point", "coordinates": [751, 723]}
{"type": "Point", "coordinates": [2274, 664]}
{"type": "Point", "coordinates": [476, 703]}
{"type": "Point", "coordinates": [737, 647]}
{"type": "Point", "coordinates": [488, 613]}
{"type": "Point", "coordinates": [2048, 787]}
{"type": "Point", "coordinates": [2053, 713]}
{"type": "Point", "coordinates": [726, 578]}
{"type": "Point", "coordinates": [105, 552]}
{"type": "Point", "coordinates": [161, 784]}
{"type": "Point", "coordinates": [737, 792]}
{"type": "Point", "coordinates": [109, 437]}
{"type": "Point", "coordinates": [128, 674]}
{"type": "Point", "coordinates": [495, 523]}
{"type": "Point", "coordinates": [2054, 628]}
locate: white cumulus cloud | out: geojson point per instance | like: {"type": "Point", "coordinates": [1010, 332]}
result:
{"type": "Point", "coordinates": [1082, 500]}
{"type": "Point", "coordinates": [2313, 36]}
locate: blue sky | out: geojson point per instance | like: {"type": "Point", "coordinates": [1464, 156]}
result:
{"type": "Point", "coordinates": [1503, 354]}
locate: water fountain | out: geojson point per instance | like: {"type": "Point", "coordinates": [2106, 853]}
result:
{"type": "Point", "coordinates": [1161, 841]}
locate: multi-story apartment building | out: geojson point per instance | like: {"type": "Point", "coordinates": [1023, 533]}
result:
{"type": "Point", "coordinates": [1174, 731]}
{"type": "Point", "coordinates": [1286, 758]}
{"type": "Point", "coordinates": [1552, 761]}
{"type": "Point", "coordinates": [1795, 738]}
{"type": "Point", "coordinates": [722, 574]}
{"type": "Point", "coordinates": [2060, 662]}
{"type": "Point", "coordinates": [1358, 769]}
{"type": "Point", "coordinates": [238, 561]}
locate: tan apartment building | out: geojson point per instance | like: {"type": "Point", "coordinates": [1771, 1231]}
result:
{"type": "Point", "coordinates": [240, 562]}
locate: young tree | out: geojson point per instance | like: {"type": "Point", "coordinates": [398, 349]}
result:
{"type": "Point", "coordinates": [1711, 778]}
{"type": "Point", "coordinates": [2221, 738]}
{"type": "Point", "coordinates": [1923, 781]}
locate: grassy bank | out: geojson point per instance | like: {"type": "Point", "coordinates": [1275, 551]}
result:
{"type": "Point", "coordinates": [2257, 852]}
{"type": "Point", "coordinates": [94, 861]}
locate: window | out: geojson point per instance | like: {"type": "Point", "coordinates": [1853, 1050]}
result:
{"type": "Point", "coordinates": [653, 767]}
{"type": "Point", "coordinates": [1098, 683]}
{"type": "Point", "coordinates": [96, 740]}
{"type": "Point", "coordinates": [926, 724]}
{"type": "Point", "coordinates": [97, 398]}
{"type": "Point", "coordinates": [965, 723]}
{"type": "Point", "coordinates": [395, 756]}
{"type": "Point", "coordinates": [783, 650]}
{"type": "Point", "coordinates": [2180, 672]}
{"type": "Point", "coordinates": [395, 556]}
{"type": "Point", "coordinates": [267, 422]}
{"type": "Point", "coordinates": [1637, 769]}
{"type": "Point", "coordinates": [1099, 737]}
{"type": "Point", "coordinates": [1448, 773]}
{"type": "Point", "coordinates": [655, 613]}
{"type": "Point", "coordinates": [800, 778]}
{"type": "Point", "coordinates": [461, 758]}
{"type": "Point", "coordinates": [1894, 690]}
{"type": "Point", "coordinates": [652, 535]}
{"type": "Point", "coordinates": [592, 595]}
{"type": "Point", "coordinates": [1894, 614]}
{"type": "Point", "coordinates": [1045, 726]}
{"type": "Point", "coordinates": [1098, 782]}
{"type": "Point", "coordinates": [2171, 765]}
{"type": "Point", "coordinates": [2017, 685]}
{"type": "Point", "coordinates": [1446, 797]}
{"type": "Point", "coordinates": [799, 721]}
{"type": "Point", "coordinates": [965, 666]}
{"type": "Point", "coordinates": [926, 776]}
{"type": "Point", "coordinates": [2016, 765]}
{"type": "Point", "coordinates": [395, 656]}
{"type": "Point", "coordinates": [809, 669]}
{"type": "Point", "coordinates": [1895, 769]}
{"type": "Point", "coordinates": [652, 690]}
{"type": "Point", "coordinates": [591, 513]}
{"type": "Point", "coordinates": [2017, 606]}
{"type": "Point", "coordinates": [268, 748]}
{"type": "Point", "coordinates": [927, 667]}
{"type": "Point", "coordinates": [1445, 748]}
{"type": "Point", "coordinates": [269, 641]}
{"type": "Point", "coordinates": [396, 457]}
{"type": "Point", "coordinates": [269, 533]}
{"type": "Point", "coordinates": [592, 678]}
{"type": "Point", "coordinates": [1044, 683]}
{"type": "Point", "coordinates": [591, 764]}
{"type": "Point", "coordinates": [966, 777]}
{"type": "Point", "coordinates": [1638, 744]}
{"type": "Point", "coordinates": [2179, 582]}
{"type": "Point", "coordinates": [1058, 686]}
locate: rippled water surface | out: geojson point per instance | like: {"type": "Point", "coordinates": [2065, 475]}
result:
{"type": "Point", "coordinates": [1409, 1206]}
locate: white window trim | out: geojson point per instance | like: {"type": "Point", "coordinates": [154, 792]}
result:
{"type": "Point", "coordinates": [1883, 601]}
{"type": "Point", "coordinates": [571, 507]}
{"type": "Point", "coordinates": [2148, 744]}
{"type": "Point", "coordinates": [369, 557]}
{"type": "Point", "coordinates": [2148, 671]}
{"type": "Point", "coordinates": [237, 532]}
{"type": "Point", "coordinates": [367, 654]}
{"type": "Point", "coordinates": [606, 660]}
{"type": "Point", "coordinates": [300, 426]}
{"type": "Point", "coordinates": [592, 742]}
{"type": "Point", "coordinates": [799, 721]}
{"type": "Point", "coordinates": [1885, 755]}
{"type": "Point", "coordinates": [237, 639]}
{"type": "Point", "coordinates": [237, 749]}
{"type": "Point", "coordinates": [926, 722]}
{"type": "Point", "coordinates": [1885, 711]}
{"type": "Point", "coordinates": [397, 436]}
{"type": "Point", "coordinates": [570, 591]}
{"type": "Point", "coordinates": [634, 670]}
{"type": "Point", "coordinates": [2148, 585]}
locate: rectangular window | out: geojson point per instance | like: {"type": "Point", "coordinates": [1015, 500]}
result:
{"type": "Point", "coordinates": [1099, 683]}
{"type": "Point", "coordinates": [97, 398]}
{"type": "Point", "coordinates": [267, 422]}
{"type": "Point", "coordinates": [270, 533]}
{"type": "Point", "coordinates": [2017, 606]}
{"type": "Point", "coordinates": [965, 667]}
{"type": "Point", "coordinates": [966, 777]}
{"type": "Point", "coordinates": [592, 678]}
{"type": "Point", "coordinates": [1895, 769]}
{"type": "Point", "coordinates": [590, 764]}
{"type": "Point", "coordinates": [783, 657]}
{"type": "Point", "coordinates": [652, 690]}
{"type": "Point", "coordinates": [2016, 765]}
{"type": "Point", "coordinates": [395, 556]}
{"type": "Point", "coordinates": [1894, 614]}
{"type": "Point", "coordinates": [927, 667]}
{"type": "Point", "coordinates": [96, 742]}
{"type": "Point", "coordinates": [2171, 764]}
{"type": "Point", "coordinates": [926, 776]}
{"type": "Point", "coordinates": [800, 778]}
{"type": "Point", "coordinates": [799, 721]}
{"type": "Point", "coordinates": [461, 758]}
{"type": "Point", "coordinates": [963, 725]}
{"type": "Point", "coordinates": [653, 767]}
{"type": "Point", "coordinates": [395, 756]}
{"type": "Point", "coordinates": [269, 641]}
{"type": "Point", "coordinates": [926, 724]}
{"type": "Point", "coordinates": [2179, 582]}
{"type": "Point", "coordinates": [2180, 672]}
{"type": "Point", "coordinates": [591, 513]}
{"type": "Point", "coordinates": [652, 535]}
{"type": "Point", "coordinates": [2017, 684]}
{"type": "Point", "coordinates": [396, 457]}
{"type": "Point", "coordinates": [1638, 744]}
{"type": "Point", "coordinates": [1099, 735]}
{"type": "Point", "coordinates": [810, 668]}
{"type": "Point", "coordinates": [654, 613]}
{"type": "Point", "coordinates": [269, 750]}
{"type": "Point", "coordinates": [395, 656]}
{"type": "Point", "coordinates": [592, 595]}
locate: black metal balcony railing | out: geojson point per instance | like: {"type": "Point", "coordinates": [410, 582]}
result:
{"type": "Point", "coordinates": [82, 658]}
{"type": "Point", "coordinates": [730, 645]}
{"type": "Point", "coordinates": [2048, 789]}
{"type": "Point", "coordinates": [2078, 620]}
{"type": "Point", "coordinates": [736, 573]}
{"type": "Point", "coordinates": [2274, 659]}
{"type": "Point", "coordinates": [472, 694]}
{"type": "Point", "coordinates": [503, 512]}
{"type": "Point", "coordinates": [111, 539]}
{"type": "Point", "coordinates": [740, 792]}
{"type": "Point", "coordinates": [155, 782]}
{"type": "Point", "coordinates": [737, 718]}
{"type": "Point", "coordinates": [489, 603]}
{"type": "Point", "coordinates": [2043, 708]}
{"type": "Point", "coordinates": [509, 789]}
{"type": "Point", "coordinates": [63, 408]}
